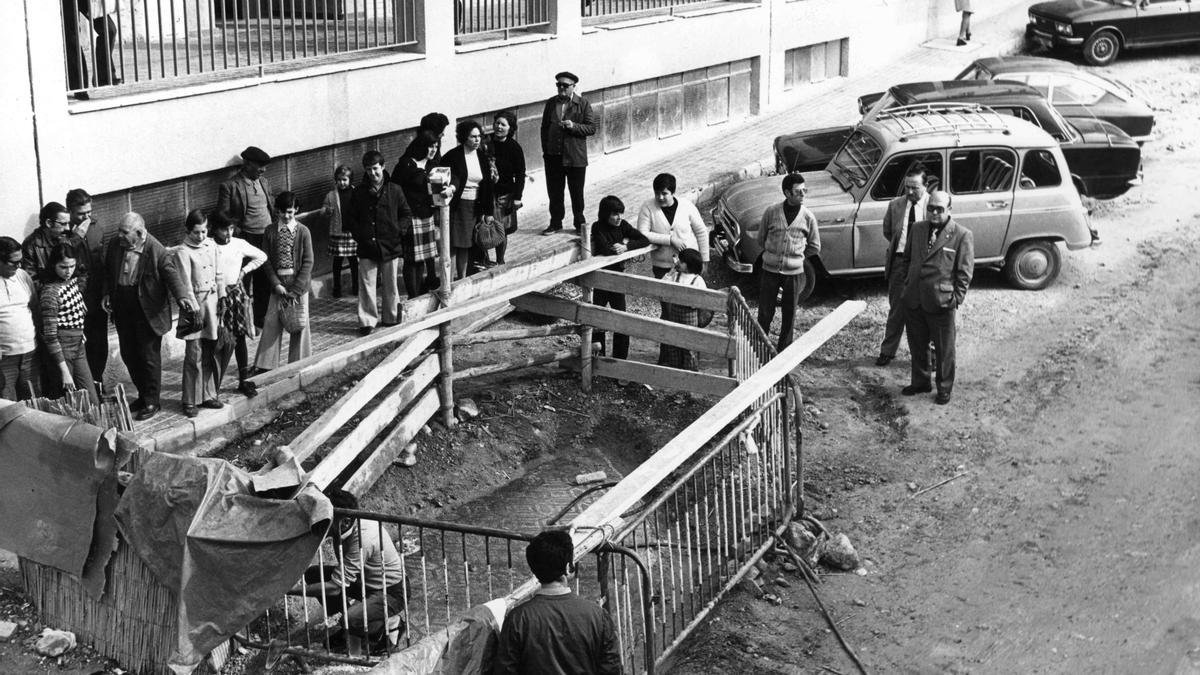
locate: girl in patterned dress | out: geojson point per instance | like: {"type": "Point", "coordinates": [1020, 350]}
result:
{"type": "Point", "coordinates": [688, 266]}
{"type": "Point", "coordinates": [341, 242]}
{"type": "Point", "coordinates": [62, 314]}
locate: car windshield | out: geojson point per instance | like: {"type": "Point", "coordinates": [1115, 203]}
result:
{"type": "Point", "coordinates": [1068, 129]}
{"type": "Point", "coordinates": [856, 160]}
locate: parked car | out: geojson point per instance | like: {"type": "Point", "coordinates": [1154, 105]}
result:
{"type": "Point", "coordinates": [1103, 28]}
{"type": "Point", "coordinates": [1104, 161]}
{"type": "Point", "coordinates": [1008, 179]}
{"type": "Point", "coordinates": [1073, 91]}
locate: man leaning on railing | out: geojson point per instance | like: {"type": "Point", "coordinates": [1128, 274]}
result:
{"type": "Point", "coordinates": [556, 631]}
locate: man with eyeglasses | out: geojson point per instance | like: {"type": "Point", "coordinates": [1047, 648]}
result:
{"type": "Point", "coordinates": [54, 228]}
{"type": "Point", "coordinates": [567, 121]}
{"type": "Point", "coordinates": [556, 631]}
{"type": "Point", "coordinates": [789, 235]}
{"type": "Point", "coordinates": [18, 337]}
{"type": "Point", "coordinates": [938, 262]}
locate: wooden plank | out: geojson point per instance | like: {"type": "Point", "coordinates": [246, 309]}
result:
{"type": "Point", "coordinates": [608, 508]}
{"type": "Point", "coordinates": [360, 394]}
{"type": "Point", "coordinates": [486, 320]}
{"type": "Point", "coordinates": [539, 360]}
{"type": "Point", "coordinates": [516, 334]}
{"type": "Point", "coordinates": [503, 288]}
{"type": "Point", "coordinates": [664, 377]}
{"type": "Point", "coordinates": [389, 448]}
{"type": "Point", "coordinates": [635, 325]}
{"type": "Point", "coordinates": [688, 296]}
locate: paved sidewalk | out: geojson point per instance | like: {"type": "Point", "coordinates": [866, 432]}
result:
{"type": "Point", "coordinates": [702, 164]}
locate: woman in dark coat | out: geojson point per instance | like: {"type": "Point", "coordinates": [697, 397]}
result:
{"type": "Point", "coordinates": [420, 244]}
{"type": "Point", "coordinates": [472, 175]}
{"type": "Point", "coordinates": [510, 170]}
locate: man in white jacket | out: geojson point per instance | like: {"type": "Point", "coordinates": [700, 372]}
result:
{"type": "Point", "coordinates": [672, 223]}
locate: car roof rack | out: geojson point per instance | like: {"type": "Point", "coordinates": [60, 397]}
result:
{"type": "Point", "coordinates": [925, 119]}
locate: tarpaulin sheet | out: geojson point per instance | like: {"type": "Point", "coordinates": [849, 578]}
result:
{"type": "Point", "coordinates": [58, 491]}
{"type": "Point", "coordinates": [228, 554]}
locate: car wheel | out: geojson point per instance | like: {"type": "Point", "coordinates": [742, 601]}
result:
{"type": "Point", "coordinates": [1033, 265]}
{"type": "Point", "coordinates": [1101, 48]}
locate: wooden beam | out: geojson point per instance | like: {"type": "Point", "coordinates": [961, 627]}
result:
{"type": "Point", "coordinates": [516, 334]}
{"type": "Point", "coordinates": [373, 466]}
{"type": "Point", "coordinates": [664, 377]}
{"type": "Point", "coordinates": [610, 505]}
{"type": "Point", "coordinates": [486, 320]}
{"type": "Point", "coordinates": [360, 394]}
{"type": "Point", "coordinates": [492, 368]}
{"type": "Point", "coordinates": [605, 318]}
{"type": "Point", "coordinates": [369, 472]}
{"type": "Point", "coordinates": [688, 296]}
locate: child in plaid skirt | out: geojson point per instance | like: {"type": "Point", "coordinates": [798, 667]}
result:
{"type": "Point", "coordinates": [341, 243]}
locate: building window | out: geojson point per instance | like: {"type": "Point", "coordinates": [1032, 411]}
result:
{"type": "Point", "coordinates": [813, 63]}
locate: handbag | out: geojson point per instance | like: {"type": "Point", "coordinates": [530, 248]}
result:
{"type": "Point", "coordinates": [292, 316]}
{"type": "Point", "coordinates": [189, 322]}
{"type": "Point", "coordinates": [489, 233]}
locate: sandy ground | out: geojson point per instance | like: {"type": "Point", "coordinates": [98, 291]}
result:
{"type": "Point", "coordinates": [1072, 545]}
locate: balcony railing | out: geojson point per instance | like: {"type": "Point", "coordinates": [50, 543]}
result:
{"type": "Point", "coordinates": [590, 8]}
{"type": "Point", "coordinates": [478, 17]}
{"type": "Point", "coordinates": [141, 41]}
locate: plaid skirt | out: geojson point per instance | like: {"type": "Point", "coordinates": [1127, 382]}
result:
{"type": "Point", "coordinates": [421, 243]}
{"type": "Point", "coordinates": [342, 245]}
{"type": "Point", "coordinates": [670, 355]}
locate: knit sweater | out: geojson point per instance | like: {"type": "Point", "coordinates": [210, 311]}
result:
{"type": "Point", "coordinates": [786, 245]}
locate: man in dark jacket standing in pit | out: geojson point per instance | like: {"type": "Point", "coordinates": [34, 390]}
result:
{"type": "Point", "coordinates": [567, 121]}
{"type": "Point", "coordinates": [940, 260]}
{"type": "Point", "coordinates": [378, 214]}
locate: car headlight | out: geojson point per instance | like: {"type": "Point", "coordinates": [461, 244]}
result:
{"type": "Point", "coordinates": [1032, 18]}
{"type": "Point", "coordinates": [1063, 28]}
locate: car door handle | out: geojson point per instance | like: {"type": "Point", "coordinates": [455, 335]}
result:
{"type": "Point", "coordinates": [835, 220]}
{"type": "Point", "coordinates": [997, 205]}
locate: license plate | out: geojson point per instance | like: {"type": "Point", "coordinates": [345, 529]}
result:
{"type": "Point", "coordinates": [1044, 42]}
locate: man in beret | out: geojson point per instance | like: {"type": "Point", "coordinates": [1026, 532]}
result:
{"type": "Point", "coordinates": [567, 121]}
{"type": "Point", "coordinates": [247, 202]}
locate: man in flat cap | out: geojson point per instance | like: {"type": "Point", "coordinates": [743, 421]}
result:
{"type": "Point", "coordinates": [567, 121]}
{"type": "Point", "coordinates": [247, 202]}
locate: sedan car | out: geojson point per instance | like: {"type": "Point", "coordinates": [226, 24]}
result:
{"type": "Point", "coordinates": [1073, 91]}
{"type": "Point", "coordinates": [1104, 161]}
{"type": "Point", "coordinates": [1102, 28]}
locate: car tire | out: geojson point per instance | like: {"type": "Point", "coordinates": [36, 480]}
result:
{"type": "Point", "coordinates": [1033, 265]}
{"type": "Point", "coordinates": [1101, 48]}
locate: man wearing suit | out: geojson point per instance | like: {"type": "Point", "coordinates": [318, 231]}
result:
{"type": "Point", "coordinates": [938, 262]}
{"type": "Point", "coordinates": [902, 213]}
{"type": "Point", "coordinates": [247, 202]}
{"type": "Point", "coordinates": [567, 121]}
{"type": "Point", "coordinates": [138, 274]}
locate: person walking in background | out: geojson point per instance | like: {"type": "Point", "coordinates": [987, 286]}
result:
{"type": "Point", "coordinates": [289, 270]}
{"type": "Point", "coordinates": [687, 270]}
{"type": "Point", "coordinates": [197, 261]}
{"type": "Point", "coordinates": [89, 269]}
{"type": "Point", "coordinates": [246, 201]}
{"type": "Point", "coordinates": [939, 262]}
{"type": "Point", "coordinates": [789, 235]}
{"type": "Point", "coordinates": [341, 243]}
{"type": "Point", "coordinates": [139, 281]}
{"type": "Point", "coordinates": [18, 335]}
{"type": "Point", "coordinates": [473, 178]}
{"type": "Point", "coordinates": [235, 259]}
{"type": "Point", "coordinates": [106, 41]}
{"type": "Point", "coordinates": [510, 170]}
{"type": "Point", "coordinates": [964, 27]}
{"type": "Point", "coordinates": [63, 313]}
{"type": "Point", "coordinates": [378, 216]}
{"type": "Point", "coordinates": [902, 212]}
{"type": "Point", "coordinates": [673, 223]}
{"type": "Point", "coordinates": [420, 242]}
{"type": "Point", "coordinates": [567, 121]}
{"type": "Point", "coordinates": [612, 235]}
{"type": "Point", "coordinates": [556, 631]}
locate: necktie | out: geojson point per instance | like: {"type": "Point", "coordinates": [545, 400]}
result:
{"type": "Point", "coordinates": [912, 213]}
{"type": "Point", "coordinates": [933, 235]}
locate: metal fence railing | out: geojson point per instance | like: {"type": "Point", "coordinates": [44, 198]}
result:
{"type": "Point", "coordinates": [139, 41]}
{"type": "Point", "coordinates": [590, 8]}
{"type": "Point", "coordinates": [477, 17]}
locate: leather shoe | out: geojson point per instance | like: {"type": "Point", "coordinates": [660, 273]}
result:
{"type": "Point", "coordinates": [147, 411]}
{"type": "Point", "coordinates": [212, 404]}
{"type": "Point", "coordinates": [961, 42]}
{"type": "Point", "coordinates": [883, 360]}
{"type": "Point", "coordinates": [248, 388]}
{"type": "Point", "coordinates": [551, 230]}
{"type": "Point", "coordinates": [911, 390]}
{"type": "Point", "coordinates": [942, 398]}
{"type": "Point", "coordinates": [188, 411]}
{"type": "Point", "coordinates": [137, 405]}
{"type": "Point", "coordinates": [365, 330]}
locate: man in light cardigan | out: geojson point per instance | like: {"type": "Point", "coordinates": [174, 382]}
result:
{"type": "Point", "coordinates": [789, 235]}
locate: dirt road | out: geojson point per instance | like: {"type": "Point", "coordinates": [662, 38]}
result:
{"type": "Point", "coordinates": [1072, 545]}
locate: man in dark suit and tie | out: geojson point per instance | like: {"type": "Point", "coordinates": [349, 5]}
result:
{"type": "Point", "coordinates": [938, 262]}
{"type": "Point", "coordinates": [138, 274]}
{"type": "Point", "coordinates": [901, 214]}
